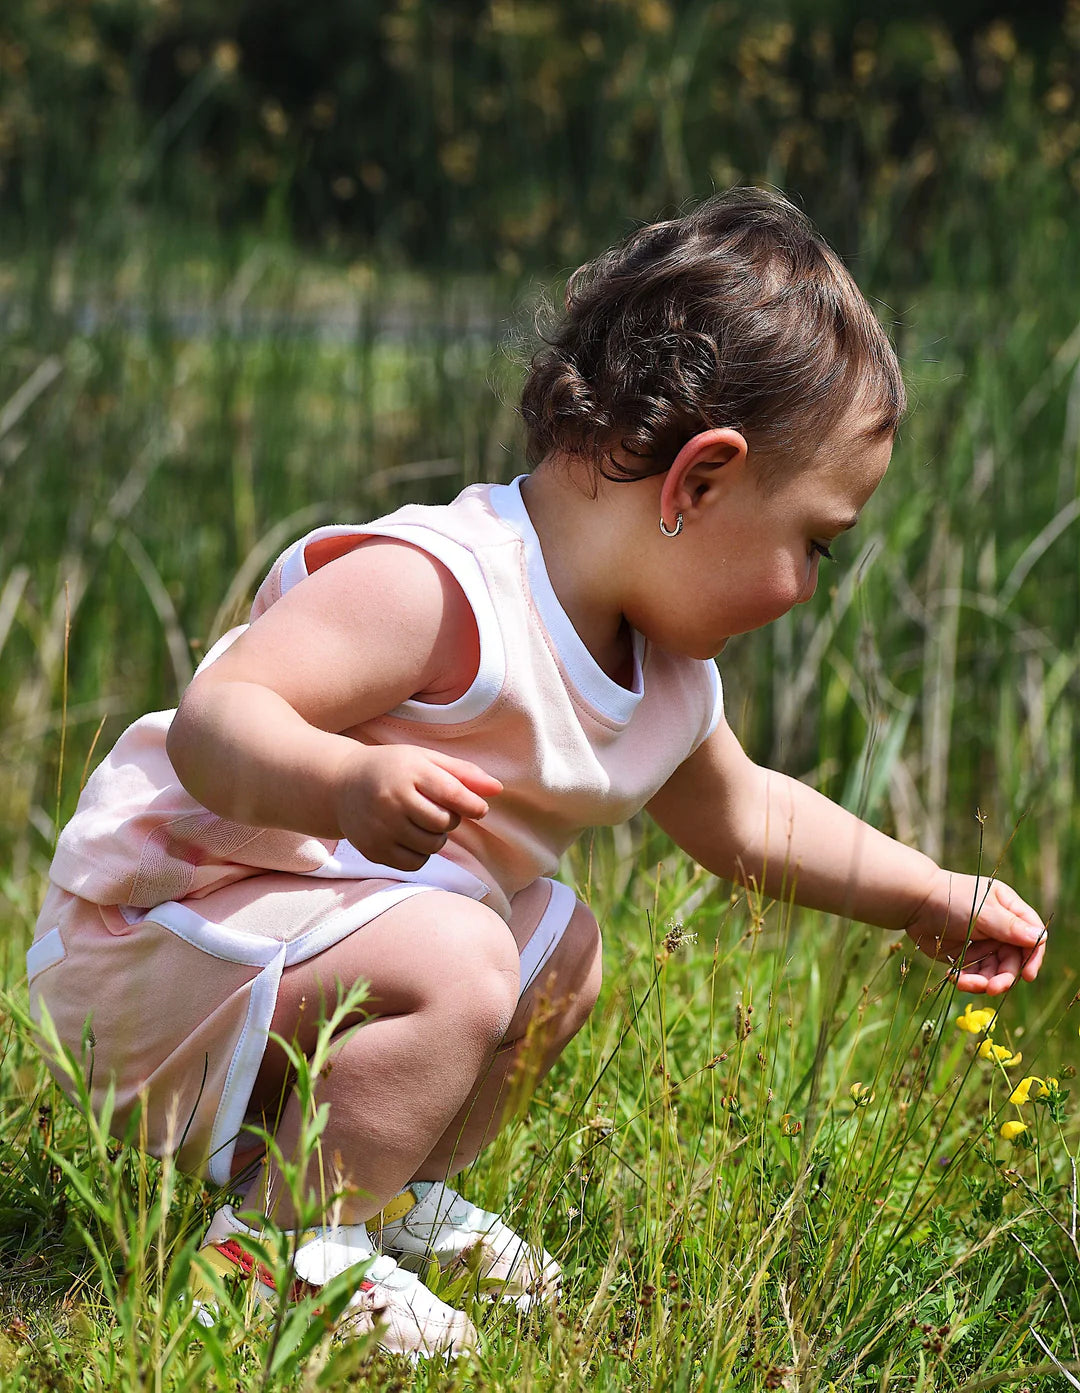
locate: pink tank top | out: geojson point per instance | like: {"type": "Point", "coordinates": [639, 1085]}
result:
{"type": "Point", "coordinates": [572, 748]}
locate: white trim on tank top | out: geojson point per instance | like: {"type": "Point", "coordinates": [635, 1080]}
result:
{"type": "Point", "coordinates": [464, 567]}
{"type": "Point", "coordinates": [615, 702]}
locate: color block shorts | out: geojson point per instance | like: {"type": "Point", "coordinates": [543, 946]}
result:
{"type": "Point", "coordinates": [173, 1004]}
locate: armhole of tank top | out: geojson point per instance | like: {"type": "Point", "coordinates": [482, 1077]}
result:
{"type": "Point", "coordinates": [464, 567]}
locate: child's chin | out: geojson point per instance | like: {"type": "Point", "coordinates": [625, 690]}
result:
{"type": "Point", "coordinates": [709, 651]}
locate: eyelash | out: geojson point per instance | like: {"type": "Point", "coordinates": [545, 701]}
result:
{"type": "Point", "coordinates": [822, 550]}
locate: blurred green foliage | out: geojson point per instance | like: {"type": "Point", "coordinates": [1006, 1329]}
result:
{"type": "Point", "coordinates": [181, 384]}
{"type": "Point", "coordinates": [511, 133]}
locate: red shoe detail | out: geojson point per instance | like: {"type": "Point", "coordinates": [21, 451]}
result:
{"type": "Point", "coordinates": [246, 1263]}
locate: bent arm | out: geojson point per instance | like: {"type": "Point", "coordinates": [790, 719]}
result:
{"type": "Point", "coordinates": [258, 735]}
{"type": "Point", "coordinates": [764, 829]}
{"type": "Point", "coordinates": [242, 751]}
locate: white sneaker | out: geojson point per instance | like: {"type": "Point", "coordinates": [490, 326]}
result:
{"type": "Point", "coordinates": [407, 1317]}
{"type": "Point", "coordinates": [429, 1220]}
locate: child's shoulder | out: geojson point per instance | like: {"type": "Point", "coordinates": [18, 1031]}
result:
{"type": "Point", "coordinates": [373, 579]}
{"type": "Point", "coordinates": [481, 514]}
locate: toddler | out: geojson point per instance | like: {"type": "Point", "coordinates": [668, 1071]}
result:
{"type": "Point", "coordinates": [375, 779]}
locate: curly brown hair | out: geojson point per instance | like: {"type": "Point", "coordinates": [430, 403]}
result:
{"type": "Point", "coordinates": [737, 314]}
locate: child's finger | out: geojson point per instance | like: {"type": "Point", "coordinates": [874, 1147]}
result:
{"type": "Point", "coordinates": [1010, 929]}
{"type": "Point", "coordinates": [999, 982]}
{"type": "Point", "coordinates": [442, 787]}
{"type": "Point", "coordinates": [969, 981]}
{"type": "Point", "coordinates": [405, 858]}
{"type": "Point", "coordinates": [1009, 960]}
{"type": "Point", "coordinates": [420, 840]}
{"type": "Point", "coordinates": [1005, 926]}
{"type": "Point", "coordinates": [988, 978]}
{"type": "Point", "coordinates": [471, 775]}
{"type": "Point", "coordinates": [995, 966]}
{"type": "Point", "coordinates": [431, 817]}
{"type": "Point", "coordinates": [1010, 901]}
{"type": "Point", "coordinates": [1032, 962]}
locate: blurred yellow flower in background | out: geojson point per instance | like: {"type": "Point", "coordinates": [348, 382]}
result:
{"type": "Point", "coordinates": [226, 56]}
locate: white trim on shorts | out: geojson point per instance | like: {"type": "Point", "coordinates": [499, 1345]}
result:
{"type": "Point", "coordinates": [548, 933]}
{"type": "Point", "coordinates": [46, 952]}
{"type": "Point", "coordinates": [272, 957]}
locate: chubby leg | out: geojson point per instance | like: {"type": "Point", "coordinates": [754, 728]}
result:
{"type": "Point", "coordinates": [444, 979]}
{"type": "Point", "coordinates": [549, 1014]}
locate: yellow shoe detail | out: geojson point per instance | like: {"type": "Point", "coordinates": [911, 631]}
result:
{"type": "Point", "coordinates": [396, 1210]}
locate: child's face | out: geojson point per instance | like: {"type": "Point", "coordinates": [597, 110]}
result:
{"type": "Point", "coordinates": [749, 555]}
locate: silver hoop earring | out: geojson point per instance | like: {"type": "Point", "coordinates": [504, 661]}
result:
{"type": "Point", "coordinates": [675, 530]}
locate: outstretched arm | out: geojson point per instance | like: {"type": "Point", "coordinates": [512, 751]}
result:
{"type": "Point", "coordinates": [764, 829]}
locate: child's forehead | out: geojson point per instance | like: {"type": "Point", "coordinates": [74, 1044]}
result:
{"type": "Point", "coordinates": [852, 461]}
{"type": "Point", "coordinates": [837, 472]}
{"type": "Point", "coordinates": [855, 440]}
{"type": "Point", "coordinates": [856, 428]}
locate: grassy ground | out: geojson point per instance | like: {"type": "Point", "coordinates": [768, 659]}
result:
{"type": "Point", "coordinates": [772, 1160]}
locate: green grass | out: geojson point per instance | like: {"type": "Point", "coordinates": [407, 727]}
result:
{"type": "Point", "coordinates": [756, 1158]}
{"type": "Point", "coordinates": [728, 1212]}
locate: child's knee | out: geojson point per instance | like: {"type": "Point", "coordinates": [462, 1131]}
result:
{"type": "Point", "coordinates": [475, 978]}
{"type": "Point", "coordinates": [492, 986]}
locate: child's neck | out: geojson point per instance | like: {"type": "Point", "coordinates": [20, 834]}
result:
{"type": "Point", "coordinates": [583, 561]}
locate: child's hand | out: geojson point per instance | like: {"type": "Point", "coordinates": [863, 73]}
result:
{"type": "Point", "coordinates": [398, 803]}
{"type": "Point", "coordinates": [1007, 937]}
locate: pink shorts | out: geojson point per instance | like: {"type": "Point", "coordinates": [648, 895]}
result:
{"type": "Point", "coordinates": [173, 1005]}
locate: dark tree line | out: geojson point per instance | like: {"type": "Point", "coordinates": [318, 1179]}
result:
{"type": "Point", "coordinates": [458, 131]}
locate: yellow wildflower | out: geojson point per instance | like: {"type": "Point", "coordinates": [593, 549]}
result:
{"type": "Point", "coordinates": [1001, 1054]}
{"type": "Point", "coordinates": [1022, 1092]}
{"type": "Point", "coordinates": [1011, 1130]}
{"type": "Point", "coordinates": [976, 1020]}
{"type": "Point", "coordinates": [861, 1095]}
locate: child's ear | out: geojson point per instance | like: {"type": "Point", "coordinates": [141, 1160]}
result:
{"type": "Point", "coordinates": [695, 470]}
